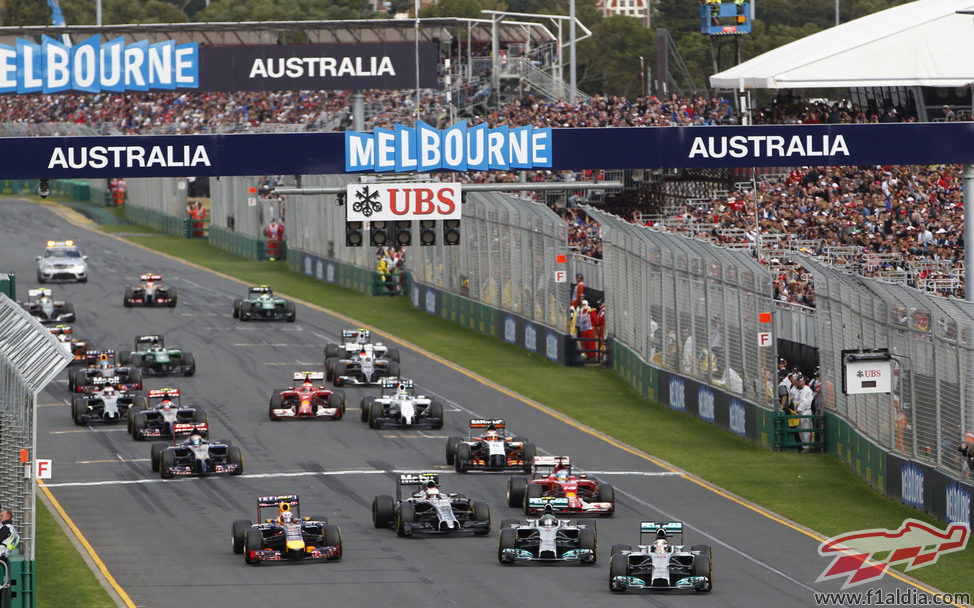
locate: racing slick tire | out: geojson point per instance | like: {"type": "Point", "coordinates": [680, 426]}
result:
{"type": "Point", "coordinates": [238, 534]}
{"type": "Point", "coordinates": [234, 456]}
{"type": "Point", "coordinates": [40, 278]}
{"type": "Point", "coordinates": [703, 565]}
{"type": "Point", "coordinates": [236, 307]}
{"type": "Point", "coordinates": [532, 491]}
{"type": "Point", "coordinates": [405, 516]}
{"type": "Point", "coordinates": [393, 370]}
{"type": "Point", "coordinates": [244, 313]}
{"type": "Point", "coordinates": [375, 415]}
{"type": "Point", "coordinates": [337, 400]}
{"type": "Point", "coordinates": [253, 541]}
{"type": "Point", "coordinates": [276, 403]}
{"type": "Point", "coordinates": [166, 460]}
{"type": "Point", "coordinates": [516, 487]}
{"type": "Point", "coordinates": [155, 455]}
{"type": "Point", "coordinates": [339, 370]}
{"type": "Point", "coordinates": [173, 297]}
{"type": "Point", "coordinates": [607, 494]}
{"type": "Point", "coordinates": [135, 377]}
{"type": "Point", "coordinates": [528, 451]}
{"type": "Point", "coordinates": [507, 523]}
{"type": "Point", "coordinates": [383, 511]}
{"type": "Point", "coordinates": [620, 548]}
{"type": "Point", "coordinates": [78, 407]}
{"type": "Point", "coordinates": [199, 417]}
{"type": "Point", "coordinates": [76, 378]}
{"type": "Point", "coordinates": [461, 457]}
{"type": "Point", "coordinates": [333, 538]}
{"type": "Point", "coordinates": [124, 357]}
{"type": "Point", "coordinates": [127, 298]}
{"type": "Point", "coordinates": [135, 360]}
{"type": "Point", "coordinates": [507, 540]}
{"type": "Point", "coordinates": [451, 447]}
{"type": "Point", "coordinates": [481, 512]}
{"type": "Point", "coordinates": [331, 351]}
{"type": "Point", "coordinates": [366, 404]}
{"type": "Point", "coordinates": [618, 566]}
{"type": "Point", "coordinates": [189, 364]}
{"type": "Point", "coordinates": [139, 403]}
{"type": "Point", "coordinates": [137, 423]}
{"type": "Point", "coordinates": [130, 418]}
{"type": "Point", "coordinates": [587, 540]}
{"type": "Point", "coordinates": [436, 414]}
{"type": "Point", "coordinates": [330, 368]}
{"type": "Point", "coordinates": [588, 523]}
{"type": "Point", "coordinates": [290, 313]}
{"type": "Point", "coordinates": [392, 354]}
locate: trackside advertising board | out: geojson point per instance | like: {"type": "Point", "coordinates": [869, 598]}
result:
{"type": "Point", "coordinates": [92, 66]}
{"type": "Point", "coordinates": [555, 149]}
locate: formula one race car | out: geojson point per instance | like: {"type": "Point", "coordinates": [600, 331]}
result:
{"type": "Point", "coordinates": [352, 342]}
{"type": "Point", "coordinates": [153, 357]}
{"type": "Point", "coordinates": [487, 448]}
{"type": "Point", "coordinates": [547, 539]}
{"type": "Point", "coordinates": [76, 346]}
{"type": "Point", "coordinates": [48, 311]}
{"type": "Point", "coordinates": [164, 417]}
{"type": "Point", "coordinates": [62, 261]}
{"type": "Point", "coordinates": [262, 304]}
{"type": "Point", "coordinates": [196, 456]}
{"type": "Point", "coordinates": [398, 405]}
{"type": "Point", "coordinates": [364, 367]}
{"type": "Point", "coordinates": [428, 510]}
{"type": "Point", "coordinates": [150, 292]}
{"type": "Point", "coordinates": [307, 400]}
{"type": "Point", "coordinates": [661, 565]}
{"type": "Point", "coordinates": [108, 404]}
{"type": "Point", "coordinates": [103, 373]}
{"type": "Point", "coordinates": [551, 476]}
{"type": "Point", "coordinates": [286, 537]}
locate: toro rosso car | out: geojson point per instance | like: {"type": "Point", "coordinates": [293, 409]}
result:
{"type": "Point", "coordinates": [196, 456]}
{"type": "Point", "coordinates": [552, 477]}
{"type": "Point", "coordinates": [398, 405]}
{"type": "Point", "coordinates": [428, 510]}
{"type": "Point", "coordinates": [261, 304]}
{"type": "Point", "coordinates": [657, 564]}
{"type": "Point", "coordinates": [150, 292]}
{"type": "Point", "coordinates": [352, 342]}
{"type": "Point", "coordinates": [153, 357]}
{"type": "Point", "coordinates": [76, 346]}
{"type": "Point", "coordinates": [48, 311]}
{"type": "Point", "coordinates": [107, 404]}
{"type": "Point", "coordinates": [286, 537]}
{"type": "Point", "coordinates": [547, 539]}
{"type": "Point", "coordinates": [164, 417]}
{"type": "Point", "coordinates": [487, 448]}
{"type": "Point", "coordinates": [306, 400]}
{"type": "Point", "coordinates": [105, 372]}
{"type": "Point", "coordinates": [364, 367]}
{"type": "Point", "coordinates": [62, 261]}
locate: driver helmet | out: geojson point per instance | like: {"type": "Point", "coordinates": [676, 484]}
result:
{"type": "Point", "coordinates": [401, 392]}
{"type": "Point", "coordinates": [549, 518]}
{"type": "Point", "coordinates": [287, 517]}
{"type": "Point", "coordinates": [63, 338]}
{"type": "Point", "coordinates": [659, 547]}
{"type": "Point", "coordinates": [45, 299]}
{"type": "Point", "coordinates": [431, 490]}
{"type": "Point", "coordinates": [166, 403]}
{"type": "Point", "coordinates": [195, 440]}
{"type": "Point", "coordinates": [108, 391]}
{"type": "Point", "coordinates": [360, 338]}
{"type": "Point", "coordinates": [104, 364]}
{"type": "Point", "coordinates": [562, 474]}
{"type": "Point", "coordinates": [364, 354]}
{"type": "Point", "coordinates": [492, 434]}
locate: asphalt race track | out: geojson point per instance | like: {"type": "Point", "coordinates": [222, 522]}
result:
{"type": "Point", "coordinates": [168, 542]}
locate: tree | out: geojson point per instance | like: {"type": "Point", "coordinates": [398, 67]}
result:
{"type": "Point", "coordinates": [611, 56]}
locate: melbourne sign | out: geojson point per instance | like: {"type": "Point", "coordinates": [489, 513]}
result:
{"type": "Point", "coordinates": [437, 201]}
{"type": "Point", "coordinates": [457, 148]}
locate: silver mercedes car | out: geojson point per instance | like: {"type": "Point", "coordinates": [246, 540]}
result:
{"type": "Point", "coordinates": [62, 261]}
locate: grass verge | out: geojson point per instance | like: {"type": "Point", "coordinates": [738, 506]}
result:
{"type": "Point", "coordinates": [63, 579]}
{"type": "Point", "coordinates": [817, 491]}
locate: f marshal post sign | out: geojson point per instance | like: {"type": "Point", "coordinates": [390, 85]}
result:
{"type": "Point", "coordinates": [408, 201]}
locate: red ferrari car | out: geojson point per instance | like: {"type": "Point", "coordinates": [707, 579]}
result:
{"type": "Point", "coordinates": [552, 477]}
{"type": "Point", "coordinates": [307, 400]}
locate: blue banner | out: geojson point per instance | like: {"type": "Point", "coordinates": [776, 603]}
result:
{"type": "Point", "coordinates": [607, 148]}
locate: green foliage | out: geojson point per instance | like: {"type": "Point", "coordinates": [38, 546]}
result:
{"type": "Point", "coordinates": [611, 56]}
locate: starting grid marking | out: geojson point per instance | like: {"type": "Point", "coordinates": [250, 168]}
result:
{"type": "Point", "coordinates": [122, 482]}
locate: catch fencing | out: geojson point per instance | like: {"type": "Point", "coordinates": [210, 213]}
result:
{"type": "Point", "coordinates": [689, 307]}
{"type": "Point", "coordinates": [166, 195]}
{"type": "Point", "coordinates": [930, 337]}
{"type": "Point", "coordinates": [316, 224]}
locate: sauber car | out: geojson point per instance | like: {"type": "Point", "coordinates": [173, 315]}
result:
{"type": "Point", "coordinates": [427, 510]}
{"type": "Point", "coordinates": [398, 405]}
{"type": "Point", "coordinates": [196, 456]}
{"type": "Point", "coordinates": [551, 476]}
{"type": "Point", "coordinates": [76, 346]}
{"type": "Point", "coordinates": [488, 448]}
{"type": "Point", "coordinates": [656, 564]}
{"type": "Point", "coordinates": [305, 400]}
{"type": "Point", "coordinates": [150, 292]}
{"type": "Point", "coordinates": [62, 261]}
{"type": "Point", "coordinates": [287, 536]}
{"type": "Point", "coordinates": [108, 404]}
{"type": "Point", "coordinates": [153, 357]}
{"type": "Point", "coordinates": [48, 311]}
{"type": "Point", "coordinates": [547, 539]}
{"type": "Point", "coordinates": [262, 304]}
{"type": "Point", "coordinates": [352, 342]}
{"type": "Point", "coordinates": [164, 417]}
{"type": "Point", "coordinates": [105, 371]}
{"type": "Point", "coordinates": [364, 367]}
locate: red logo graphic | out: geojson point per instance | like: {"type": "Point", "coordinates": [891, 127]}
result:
{"type": "Point", "coordinates": [865, 555]}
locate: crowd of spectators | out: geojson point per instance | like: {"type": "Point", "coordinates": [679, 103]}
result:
{"type": "Point", "coordinates": [584, 234]}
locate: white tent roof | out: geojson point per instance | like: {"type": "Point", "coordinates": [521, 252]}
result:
{"type": "Point", "coordinates": [923, 43]}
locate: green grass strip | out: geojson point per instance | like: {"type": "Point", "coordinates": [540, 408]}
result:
{"type": "Point", "coordinates": [63, 579]}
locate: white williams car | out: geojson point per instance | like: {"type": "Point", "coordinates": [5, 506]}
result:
{"type": "Point", "coordinates": [62, 261]}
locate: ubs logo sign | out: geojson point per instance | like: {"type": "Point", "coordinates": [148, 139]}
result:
{"type": "Point", "coordinates": [415, 295]}
{"type": "Point", "coordinates": [958, 504]}
{"type": "Point", "coordinates": [431, 301]}
{"type": "Point", "coordinates": [738, 418]}
{"type": "Point", "coordinates": [320, 270]}
{"type": "Point", "coordinates": [307, 265]}
{"type": "Point", "coordinates": [705, 403]}
{"type": "Point", "coordinates": [911, 480]}
{"type": "Point", "coordinates": [531, 338]}
{"type": "Point", "coordinates": [678, 398]}
{"type": "Point", "coordinates": [330, 272]}
{"type": "Point", "coordinates": [551, 346]}
{"type": "Point", "coordinates": [510, 329]}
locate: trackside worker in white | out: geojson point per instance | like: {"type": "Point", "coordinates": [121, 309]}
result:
{"type": "Point", "coordinates": [804, 396]}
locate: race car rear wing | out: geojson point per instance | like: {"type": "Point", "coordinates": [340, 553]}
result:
{"type": "Point", "coordinates": [351, 334]}
{"type": "Point", "coordinates": [546, 465]}
{"type": "Point", "coordinates": [389, 382]}
{"type": "Point", "coordinates": [415, 479]}
{"type": "Point", "coordinates": [150, 277]}
{"type": "Point", "coordinates": [482, 423]}
{"type": "Point", "coordinates": [309, 376]}
{"type": "Point", "coordinates": [660, 529]}
{"type": "Point", "coordinates": [282, 502]}
{"type": "Point", "coordinates": [163, 393]}
{"type": "Point", "coordinates": [60, 329]}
